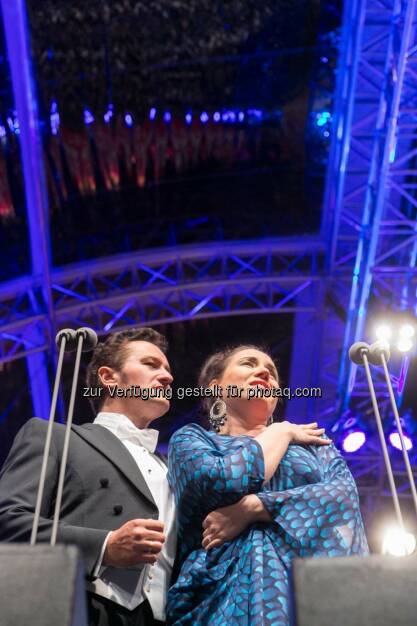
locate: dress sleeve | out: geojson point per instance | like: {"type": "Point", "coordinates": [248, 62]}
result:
{"type": "Point", "coordinates": [323, 517]}
{"type": "Point", "coordinates": [204, 474]}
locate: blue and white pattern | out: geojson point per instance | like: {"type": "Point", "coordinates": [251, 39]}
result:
{"type": "Point", "coordinates": [312, 499]}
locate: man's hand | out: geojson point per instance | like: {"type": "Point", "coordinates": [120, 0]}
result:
{"type": "Point", "coordinates": [137, 541]}
{"type": "Point", "coordinates": [228, 522]}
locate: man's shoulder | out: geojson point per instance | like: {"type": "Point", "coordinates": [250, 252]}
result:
{"type": "Point", "coordinates": [36, 425]}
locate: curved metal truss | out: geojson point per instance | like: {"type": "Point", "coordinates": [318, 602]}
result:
{"type": "Point", "coordinates": [165, 285]}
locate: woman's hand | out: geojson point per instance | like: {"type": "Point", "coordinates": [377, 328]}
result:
{"type": "Point", "coordinates": [304, 434]}
{"type": "Point", "coordinates": [228, 522]}
{"type": "Point", "coordinates": [224, 524]}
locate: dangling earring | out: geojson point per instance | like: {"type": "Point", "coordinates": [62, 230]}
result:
{"type": "Point", "coordinates": [217, 415]}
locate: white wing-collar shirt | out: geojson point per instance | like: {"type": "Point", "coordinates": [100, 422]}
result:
{"type": "Point", "coordinates": [128, 587]}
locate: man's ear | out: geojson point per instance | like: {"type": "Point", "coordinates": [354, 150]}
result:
{"type": "Point", "coordinates": [108, 376]}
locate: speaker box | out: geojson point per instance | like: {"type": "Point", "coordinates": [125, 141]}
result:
{"type": "Point", "coordinates": [41, 586]}
{"type": "Point", "coordinates": [355, 591]}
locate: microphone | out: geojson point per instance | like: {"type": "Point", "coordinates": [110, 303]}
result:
{"type": "Point", "coordinates": [357, 351]}
{"type": "Point", "coordinates": [66, 336]}
{"type": "Point", "coordinates": [89, 337]}
{"type": "Point", "coordinates": [378, 350]}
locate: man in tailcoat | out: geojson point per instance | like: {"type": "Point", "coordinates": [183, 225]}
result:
{"type": "Point", "coordinates": [116, 506]}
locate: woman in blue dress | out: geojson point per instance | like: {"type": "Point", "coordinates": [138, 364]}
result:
{"type": "Point", "coordinates": [251, 496]}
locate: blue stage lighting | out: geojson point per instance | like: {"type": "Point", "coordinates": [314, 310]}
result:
{"type": "Point", "coordinates": [128, 120]}
{"type": "Point", "coordinates": [88, 117]}
{"type": "Point", "coordinates": [395, 441]}
{"type": "Point", "coordinates": [204, 117]}
{"type": "Point", "coordinates": [322, 118]}
{"type": "Point", "coordinates": [109, 114]}
{"type": "Point", "coordinates": [188, 118]}
{"type": "Point", "coordinates": [54, 118]}
{"type": "Point", "coordinates": [152, 113]}
{"type": "Point", "coordinates": [13, 124]}
{"type": "Point", "coordinates": [167, 117]}
{"type": "Point", "coordinates": [353, 441]}
{"type": "Point", "coordinates": [256, 113]}
{"type": "Point", "coordinates": [217, 116]}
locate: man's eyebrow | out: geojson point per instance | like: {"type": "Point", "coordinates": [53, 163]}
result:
{"type": "Point", "coordinates": [157, 359]}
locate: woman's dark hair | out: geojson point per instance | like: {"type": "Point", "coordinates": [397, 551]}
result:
{"type": "Point", "coordinates": [113, 353]}
{"type": "Point", "coordinates": [215, 365]}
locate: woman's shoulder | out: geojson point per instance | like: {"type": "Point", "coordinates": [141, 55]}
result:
{"type": "Point", "coordinates": [190, 431]}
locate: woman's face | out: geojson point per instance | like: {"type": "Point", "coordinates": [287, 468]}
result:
{"type": "Point", "coordinates": [254, 373]}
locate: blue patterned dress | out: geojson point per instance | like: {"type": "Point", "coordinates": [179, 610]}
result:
{"type": "Point", "coordinates": [312, 499]}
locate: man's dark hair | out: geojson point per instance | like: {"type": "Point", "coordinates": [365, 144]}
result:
{"type": "Point", "coordinates": [113, 353]}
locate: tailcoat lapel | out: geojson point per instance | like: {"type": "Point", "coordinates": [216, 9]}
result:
{"type": "Point", "coordinates": [108, 444]}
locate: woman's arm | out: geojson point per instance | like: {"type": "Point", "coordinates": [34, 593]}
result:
{"type": "Point", "coordinates": [210, 475]}
{"type": "Point", "coordinates": [205, 476]}
{"type": "Point", "coordinates": [318, 518]}
{"type": "Point", "coordinates": [276, 438]}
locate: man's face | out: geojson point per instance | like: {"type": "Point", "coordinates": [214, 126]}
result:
{"type": "Point", "coordinates": [147, 367]}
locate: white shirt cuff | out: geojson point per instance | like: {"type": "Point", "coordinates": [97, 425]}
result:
{"type": "Point", "coordinates": [99, 568]}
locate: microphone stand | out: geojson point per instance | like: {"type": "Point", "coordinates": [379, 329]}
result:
{"type": "Point", "coordinates": [379, 354]}
{"type": "Point", "coordinates": [65, 339]}
{"type": "Point", "coordinates": [88, 336]}
{"type": "Point", "coordinates": [358, 353]}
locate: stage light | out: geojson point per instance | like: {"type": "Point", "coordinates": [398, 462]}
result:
{"type": "Point", "coordinates": [322, 118]}
{"type": "Point", "coordinates": [353, 441]}
{"type": "Point", "coordinates": [256, 113]}
{"type": "Point", "coordinates": [204, 117]}
{"type": "Point", "coordinates": [88, 117]}
{"type": "Point", "coordinates": [128, 120]}
{"type": "Point", "coordinates": [152, 113]}
{"type": "Point", "coordinates": [188, 118]}
{"type": "Point", "coordinates": [167, 117]}
{"type": "Point", "coordinates": [14, 124]}
{"type": "Point", "coordinates": [397, 542]}
{"type": "Point", "coordinates": [395, 441]}
{"type": "Point", "coordinates": [54, 118]}
{"type": "Point", "coordinates": [383, 332]}
{"type": "Point", "coordinates": [109, 114]}
{"type": "Point", "coordinates": [407, 331]}
{"type": "Point", "coordinates": [404, 344]}
{"type": "Point", "coordinates": [241, 116]}
{"type": "Point", "coordinates": [216, 116]}
{"type": "Point", "coordinates": [2, 132]}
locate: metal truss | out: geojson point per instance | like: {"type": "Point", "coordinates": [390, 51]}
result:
{"type": "Point", "coordinates": [370, 207]}
{"type": "Point", "coordinates": [163, 285]}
